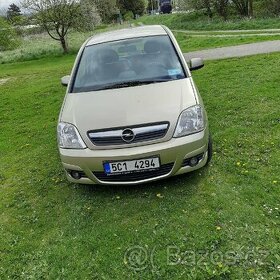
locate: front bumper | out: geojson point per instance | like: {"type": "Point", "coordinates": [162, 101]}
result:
{"type": "Point", "coordinates": [171, 153]}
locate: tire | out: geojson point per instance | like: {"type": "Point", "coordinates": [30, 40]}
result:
{"type": "Point", "coordinates": [210, 149]}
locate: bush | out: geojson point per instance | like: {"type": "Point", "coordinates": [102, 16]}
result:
{"type": "Point", "coordinates": [8, 37]}
{"type": "Point", "coordinates": [128, 16]}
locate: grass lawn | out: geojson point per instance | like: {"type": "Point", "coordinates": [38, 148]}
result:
{"type": "Point", "coordinates": [221, 222]}
{"type": "Point", "coordinates": [198, 21]}
{"type": "Point", "coordinates": [195, 31]}
{"type": "Point", "coordinates": [192, 32]}
{"type": "Point", "coordinates": [36, 46]}
{"type": "Point", "coordinates": [193, 42]}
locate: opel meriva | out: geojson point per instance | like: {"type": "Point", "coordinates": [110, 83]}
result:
{"type": "Point", "coordinates": [132, 112]}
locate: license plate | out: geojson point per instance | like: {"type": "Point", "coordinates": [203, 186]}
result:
{"type": "Point", "coordinates": [128, 166]}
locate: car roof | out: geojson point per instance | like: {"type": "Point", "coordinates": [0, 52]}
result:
{"type": "Point", "coordinates": [127, 33]}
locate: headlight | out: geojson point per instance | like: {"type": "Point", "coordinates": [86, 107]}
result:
{"type": "Point", "coordinates": [69, 137]}
{"type": "Point", "coordinates": [190, 121]}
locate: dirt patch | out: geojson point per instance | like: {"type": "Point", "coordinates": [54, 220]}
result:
{"type": "Point", "coordinates": [3, 81]}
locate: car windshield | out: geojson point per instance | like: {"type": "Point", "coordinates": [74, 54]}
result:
{"type": "Point", "coordinates": [127, 63]}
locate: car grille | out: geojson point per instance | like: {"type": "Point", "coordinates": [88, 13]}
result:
{"type": "Point", "coordinates": [134, 134]}
{"type": "Point", "coordinates": [135, 176]}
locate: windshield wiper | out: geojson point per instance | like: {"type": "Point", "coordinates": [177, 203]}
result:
{"type": "Point", "coordinates": [132, 84]}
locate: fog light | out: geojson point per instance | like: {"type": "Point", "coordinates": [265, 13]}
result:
{"type": "Point", "coordinates": [76, 175]}
{"type": "Point", "coordinates": [193, 161]}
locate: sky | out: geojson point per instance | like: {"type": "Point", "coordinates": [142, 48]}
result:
{"type": "Point", "coordinates": [5, 3]}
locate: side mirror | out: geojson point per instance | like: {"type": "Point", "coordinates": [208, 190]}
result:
{"type": "Point", "coordinates": [65, 80]}
{"type": "Point", "coordinates": [196, 63]}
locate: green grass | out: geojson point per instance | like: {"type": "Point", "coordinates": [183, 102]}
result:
{"type": "Point", "coordinates": [41, 45]}
{"type": "Point", "coordinates": [198, 21]}
{"type": "Point", "coordinates": [38, 46]}
{"type": "Point", "coordinates": [189, 42]}
{"type": "Point", "coordinates": [192, 32]}
{"type": "Point", "coordinates": [223, 220]}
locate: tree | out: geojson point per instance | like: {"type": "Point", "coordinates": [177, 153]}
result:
{"type": "Point", "coordinates": [221, 7]}
{"type": "Point", "coordinates": [8, 37]}
{"type": "Point", "coordinates": [273, 6]}
{"type": "Point", "coordinates": [13, 13]}
{"type": "Point", "coordinates": [56, 17]}
{"type": "Point", "coordinates": [90, 16]}
{"type": "Point", "coordinates": [250, 8]}
{"type": "Point", "coordinates": [207, 5]}
{"type": "Point", "coordinates": [137, 7]}
{"type": "Point", "coordinates": [202, 4]}
{"type": "Point", "coordinates": [244, 7]}
{"type": "Point", "coordinates": [152, 5]}
{"type": "Point", "coordinates": [107, 9]}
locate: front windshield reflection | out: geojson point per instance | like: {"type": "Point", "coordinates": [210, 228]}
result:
{"type": "Point", "coordinates": [128, 62]}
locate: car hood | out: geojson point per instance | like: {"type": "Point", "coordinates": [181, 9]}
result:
{"type": "Point", "coordinates": [125, 107]}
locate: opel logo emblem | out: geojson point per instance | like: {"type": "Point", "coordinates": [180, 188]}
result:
{"type": "Point", "coordinates": [128, 135]}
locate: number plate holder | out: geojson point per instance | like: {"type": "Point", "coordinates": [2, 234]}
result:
{"type": "Point", "coordinates": [131, 166]}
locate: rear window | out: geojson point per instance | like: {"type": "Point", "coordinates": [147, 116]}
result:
{"type": "Point", "coordinates": [128, 62]}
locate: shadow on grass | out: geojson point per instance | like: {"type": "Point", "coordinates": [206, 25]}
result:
{"type": "Point", "coordinates": [186, 183]}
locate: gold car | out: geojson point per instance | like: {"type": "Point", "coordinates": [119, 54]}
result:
{"type": "Point", "coordinates": [132, 112]}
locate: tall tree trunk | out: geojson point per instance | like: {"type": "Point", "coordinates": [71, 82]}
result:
{"type": "Point", "coordinates": [64, 45]}
{"type": "Point", "coordinates": [208, 8]}
{"type": "Point", "coordinates": [221, 7]}
{"type": "Point", "coordinates": [242, 7]}
{"type": "Point", "coordinates": [250, 8]}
